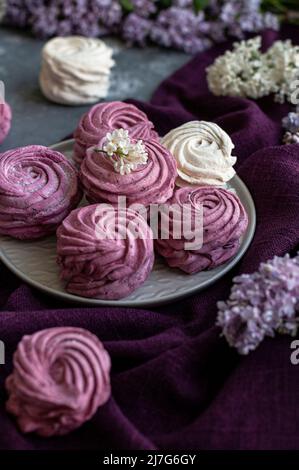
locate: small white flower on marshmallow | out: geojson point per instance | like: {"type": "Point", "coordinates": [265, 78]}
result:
{"type": "Point", "coordinates": [126, 155]}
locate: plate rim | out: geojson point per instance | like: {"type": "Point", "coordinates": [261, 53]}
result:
{"type": "Point", "coordinates": [67, 297]}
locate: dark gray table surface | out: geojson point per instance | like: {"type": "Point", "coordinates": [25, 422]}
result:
{"type": "Point", "coordinates": [37, 121]}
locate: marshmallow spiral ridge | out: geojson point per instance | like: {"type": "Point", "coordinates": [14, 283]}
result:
{"type": "Point", "coordinates": [75, 70]}
{"type": "Point", "coordinates": [99, 253]}
{"type": "Point", "coordinates": [38, 189]}
{"type": "Point", "coordinates": [203, 153]}
{"type": "Point", "coordinates": [105, 117]}
{"type": "Point", "coordinates": [60, 378]}
{"type": "Point", "coordinates": [150, 183]}
{"type": "Point", "coordinates": [224, 221]}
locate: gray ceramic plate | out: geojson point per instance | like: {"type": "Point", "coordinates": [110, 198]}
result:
{"type": "Point", "coordinates": [35, 263]}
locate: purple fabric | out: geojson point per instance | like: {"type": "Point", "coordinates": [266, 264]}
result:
{"type": "Point", "coordinates": [176, 384]}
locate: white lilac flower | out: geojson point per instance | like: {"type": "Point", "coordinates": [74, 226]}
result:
{"type": "Point", "coordinates": [247, 72]}
{"type": "Point", "coordinates": [283, 61]}
{"type": "Point", "coordinates": [291, 138]}
{"type": "Point", "coordinates": [241, 72]}
{"type": "Point", "coordinates": [117, 141]}
{"type": "Point", "coordinates": [126, 155]}
{"type": "Point", "coordinates": [261, 304]}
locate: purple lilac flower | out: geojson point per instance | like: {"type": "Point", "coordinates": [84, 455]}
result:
{"type": "Point", "coordinates": [63, 17]}
{"type": "Point", "coordinates": [177, 26]}
{"type": "Point", "coordinates": [251, 5]}
{"type": "Point", "coordinates": [111, 16]}
{"type": "Point", "coordinates": [182, 3]}
{"type": "Point", "coordinates": [87, 26]}
{"type": "Point", "coordinates": [45, 22]}
{"type": "Point", "coordinates": [144, 8]}
{"type": "Point", "coordinates": [217, 31]}
{"type": "Point", "coordinates": [270, 21]}
{"type": "Point", "coordinates": [291, 122]}
{"type": "Point", "coordinates": [136, 29]}
{"type": "Point", "coordinates": [180, 28]}
{"type": "Point", "coordinates": [17, 13]}
{"type": "Point", "coordinates": [229, 12]}
{"type": "Point", "coordinates": [251, 22]}
{"type": "Point", "coordinates": [214, 8]}
{"type": "Point", "coordinates": [261, 304]}
{"type": "Point", "coordinates": [100, 3]}
{"type": "Point", "coordinates": [245, 17]}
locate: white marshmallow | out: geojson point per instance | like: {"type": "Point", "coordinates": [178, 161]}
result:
{"type": "Point", "coordinates": [203, 153]}
{"type": "Point", "coordinates": [75, 70]}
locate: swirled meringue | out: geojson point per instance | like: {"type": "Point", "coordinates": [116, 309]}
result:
{"type": "Point", "coordinates": [99, 253]}
{"type": "Point", "coordinates": [224, 221]}
{"type": "Point", "coordinates": [5, 120]}
{"type": "Point", "coordinates": [75, 70]}
{"type": "Point", "coordinates": [105, 117]}
{"type": "Point", "coordinates": [150, 183]}
{"type": "Point", "coordinates": [38, 189]}
{"type": "Point", "coordinates": [203, 153]}
{"type": "Point", "coordinates": [60, 378]}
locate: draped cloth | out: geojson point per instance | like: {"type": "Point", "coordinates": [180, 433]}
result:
{"type": "Point", "coordinates": [176, 384]}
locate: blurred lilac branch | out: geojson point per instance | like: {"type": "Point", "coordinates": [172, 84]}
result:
{"type": "Point", "coordinates": [189, 25]}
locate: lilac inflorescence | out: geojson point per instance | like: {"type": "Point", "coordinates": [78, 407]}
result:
{"type": "Point", "coordinates": [179, 25]}
{"type": "Point", "coordinates": [261, 304]}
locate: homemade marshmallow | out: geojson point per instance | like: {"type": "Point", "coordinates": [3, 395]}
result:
{"type": "Point", "coordinates": [99, 254]}
{"type": "Point", "coordinates": [203, 153]}
{"type": "Point", "coordinates": [60, 378]}
{"type": "Point", "coordinates": [151, 183]}
{"type": "Point", "coordinates": [75, 70]}
{"type": "Point", "coordinates": [38, 189]}
{"type": "Point", "coordinates": [224, 221]}
{"type": "Point", "coordinates": [106, 117]}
